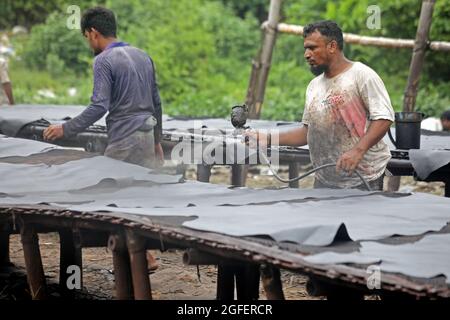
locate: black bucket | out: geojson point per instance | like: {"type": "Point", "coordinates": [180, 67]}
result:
{"type": "Point", "coordinates": [407, 130]}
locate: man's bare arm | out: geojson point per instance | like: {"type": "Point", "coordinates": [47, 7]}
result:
{"type": "Point", "coordinates": [376, 131]}
{"type": "Point", "coordinates": [8, 90]}
{"type": "Point", "coordinates": [294, 137]}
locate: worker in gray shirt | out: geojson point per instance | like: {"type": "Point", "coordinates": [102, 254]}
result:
{"type": "Point", "coordinates": [125, 88]}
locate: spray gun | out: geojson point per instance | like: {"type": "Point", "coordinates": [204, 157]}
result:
{"type": "Point", "coordinates": [239, 116]}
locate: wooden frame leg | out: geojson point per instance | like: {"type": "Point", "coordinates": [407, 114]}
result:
{"type": "Point", "coordinates": [33, 262]}
{"type": "Point", "coordinates": [70, 254]}
{"type": "Point", "coordinates": [447, 189]}
{"type": "Point", "coordinates": [238, 175]}
{"type": "Point", "coordinates": [247, 282]}
{"type": "Point", "coordinates": [139, 266]}
{"type": "Point", "coordinates": [271, 279]}
{"type": "Point", "coordinates": [122, 268]}
{"type": "Point", "coordinates": [4, 248]}
{"type": "Point", "coordinates": [203, 172]}
{"type": "Point", "coordinates": [293, 173]}
{"type": "Point", "coordinates": [225, 282]}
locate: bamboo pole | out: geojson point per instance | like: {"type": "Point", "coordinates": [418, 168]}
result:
{"type": "Point", "coordinates": [139, 266]}
{"type": "Point", "coordinates": [33, 262]}
{"type": "Point", "coordinates": [368, 40]}
{"type": "Point", "coordinates": [122, 270]}
{"type": "Point", "coordinates": [418, 57]}
{"type": "Point", "coordinates": [417, 61]}
{"type": "Point", "coordinates": [261, 67]}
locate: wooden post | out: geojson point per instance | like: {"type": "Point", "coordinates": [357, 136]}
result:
{"type": "Point", "coordinates": [247, 282]}
{"type": "Point", "coordinates": [447, 189]}
{"type": "Point", "coordinates": [122, 269]}
{"type": "Point", "coordinates": [238, 175]}
{"type": "Point", "coordinates": [271, 279]}
{"type": "Point", "coordinates": [139, 266]}
{"type": "Point", "coordinates": [225, 282]}
{"type": "Point", "coordinates": [33, 262]}
{"type": "Point", "coordinates": [418, 56]}
{"type": "Point", "coordinates": [417, 61]}
{"type": "Point", "coordinates": [70, 254]}
{"type": "Point", "coordinates": [293, 173]}
{"type": "Point", "coordinates": [203, 172]}
{"type": "Point", "coordinates": [260, 68]}
{"type": "Point", "coordinates": [4, 248]}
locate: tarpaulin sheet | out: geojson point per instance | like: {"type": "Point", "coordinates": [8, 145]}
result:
{"type": "Point", "coordinates": [312, 217]}
{"type": "Point", "coordinates": [426, 258]}
{"type": "Point", "coordinates": [434, 152]}
{"type": "Point", "coordinates": [308, 217]}
{"type": "Point", "coordinates": [13, 118]}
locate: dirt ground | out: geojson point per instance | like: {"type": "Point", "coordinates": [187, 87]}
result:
{"type": "Point", "coordinates": [172, 280]}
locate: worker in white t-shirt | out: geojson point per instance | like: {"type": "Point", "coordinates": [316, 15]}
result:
{"type": "Point", "coordinates": [347, 113]}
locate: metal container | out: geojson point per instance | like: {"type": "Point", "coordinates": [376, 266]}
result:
{"type": "Point", "coordinates": [407, 130]}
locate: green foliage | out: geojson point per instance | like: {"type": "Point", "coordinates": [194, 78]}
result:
{"type": "Point", "coordinates": [203, 51]}
{"type": "Point", "coordinates": [259, 8]}
{"type": "Point", "coordinates": [28, 13]}
{"type": "Point", "coordinates": [202, 61]}
{"type": "Point", "coordinates": [55, 48]}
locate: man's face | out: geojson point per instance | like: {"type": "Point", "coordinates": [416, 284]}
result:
{"type": "Point", "coordinates": [92, 37]}
{"type": "Point", "coordinates": [445, 124]}
{"type": "Point", "coordinates": [318, 52]}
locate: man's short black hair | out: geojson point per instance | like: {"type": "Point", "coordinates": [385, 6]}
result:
{"type": "Point", "coordinates": [446, 115]}
{"type": "Point", "coordinates": [328, 29]}
{"type": "Point", "coordinates": [101, 19]}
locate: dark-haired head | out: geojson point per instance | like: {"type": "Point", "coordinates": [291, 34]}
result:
{"type": "Point", "coordinates": [445, 120]}
{"type": "Point", "coordinates": [98, 24]}
{"type": "Point", "coordinates": [322, 41]}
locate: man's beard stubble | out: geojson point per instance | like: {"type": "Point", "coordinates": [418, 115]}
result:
{"type": "Point", "coordinates": [319, 69]}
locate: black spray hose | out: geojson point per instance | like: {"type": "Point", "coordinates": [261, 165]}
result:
{"type": "Point", "coordinates": [309, 172]}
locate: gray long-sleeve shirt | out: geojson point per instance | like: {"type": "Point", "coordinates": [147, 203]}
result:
{"type": "Point", "coordinates": [126, 88]}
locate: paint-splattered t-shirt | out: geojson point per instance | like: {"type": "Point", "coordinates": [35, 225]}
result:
{"type": "Point", "coordinates": [338, 112]}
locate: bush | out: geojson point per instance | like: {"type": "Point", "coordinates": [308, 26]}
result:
{"type": "Point", "coordinates": [203, 50]}
{"type": "Point", "coordinates": [57, 49]}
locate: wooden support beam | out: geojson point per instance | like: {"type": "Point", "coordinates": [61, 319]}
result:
{"type": "Point", "coordinates": [33, 262]}
{"type": "Point", "coordinates": [203, 172]}
{"type": "Point", "coordinates": [271, 280]}
{"type": "Point", "coordinates": [70, 255]}
{"type": "Point", "coordinates": [122, 268]}
{"type": "Point", "coordinates": [238, 175]}
{"type": "Point", "coordinates": [4, 248]}
{"type": "Point", "coordinates": [261, 67]}
{"type": "Point", "coordinates": [447, 189]}
{"type": "Point", "coordinates": [318, 288]}
{"type": "Point", "coordinates": [139, 266]}
{"type": "Point", "coordinates": [247, 282]}
{"type": "Point", "coordinates": [194, 257]}
{"type": "Point", "coordinates": [225, 282]}
{"type": "Point", "coordinates": [294, 169]}
{"type": "Point", "coordinates": [367, 40]}
{"type": "Point", "coordinates": [418, 57]}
